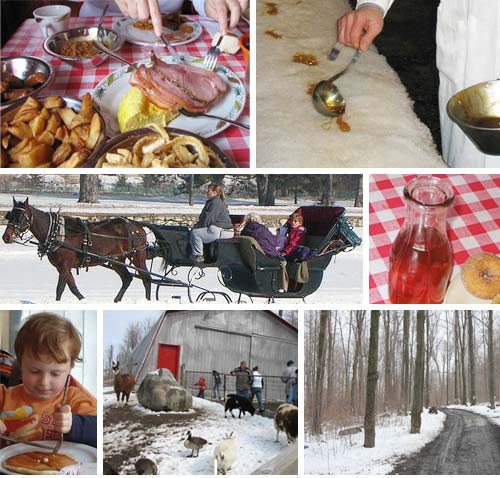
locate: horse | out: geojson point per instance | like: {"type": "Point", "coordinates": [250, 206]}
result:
{"type": "Point", "coordinates": [71, 243]}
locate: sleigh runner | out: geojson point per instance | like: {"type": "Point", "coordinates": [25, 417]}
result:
{"type": "Point", "coordinates": [122, 245]}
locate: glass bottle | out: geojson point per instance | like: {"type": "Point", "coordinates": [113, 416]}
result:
{"type": "Point", "coordinates": [420, 262]}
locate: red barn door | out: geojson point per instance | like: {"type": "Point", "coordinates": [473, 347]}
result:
{"type": "Point", "coordinates": [169, 357]}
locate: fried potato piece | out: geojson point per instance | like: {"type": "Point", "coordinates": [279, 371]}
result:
{"type": "Point", "coordinates": [67, 115]}
{"type": "Point", "coordinates": [33, 155]}
{"type": "Point", "coordinates": [21, 131]}
{"type": "Point", "coordinates": [94, 132]}
{"type": "Point", "coordinates": [76, 159]}
{"type": "Point", "coordinates": [62, 133]}
{"type": "Point", "coordinates": [37, 125]}
{"type": "Point", "coordinates": [46, 138]}
{"type": "Point", "coordinates": [61, 154]}
{"type": "Point", "coordinates": [53, 122]}
{"type": "Point", "coordinates": [25, 114]}
{"type": "Point", "coordinates": [5, 141]}
{"type": "Point", "coordinates": [53, 102]}
{"type": "Point", "coordinates": [76, 140]}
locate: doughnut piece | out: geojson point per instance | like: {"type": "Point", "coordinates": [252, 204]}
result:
{"type": "Point", "coordinates": [496, 299]}
{"type": "Point", "coordinates": [481, 275]}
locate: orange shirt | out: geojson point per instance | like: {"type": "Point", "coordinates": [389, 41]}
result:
{"type": "Point", "coordinates": [28, 418]}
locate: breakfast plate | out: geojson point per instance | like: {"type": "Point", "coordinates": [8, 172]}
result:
{"type": "Point", "coordinates": [458, 294]}
{"type": "Point", "coordinates": [81, 453]}
{"type": "Point", "coordinates": [127, 28]}
{"type": "Point", "coordinates": [108, 93]}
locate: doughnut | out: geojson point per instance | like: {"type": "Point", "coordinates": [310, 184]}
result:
{"type": "Point", "coordinates": [496, 299]}
{"type": "Point", "coordinates": [481, 275]}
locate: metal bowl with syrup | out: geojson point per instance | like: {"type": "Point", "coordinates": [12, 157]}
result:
{"type": "Point", "coordinates": [22, 67]}
{"type": "Point", "coordinates": [111, 39]}
{"type": "Point", "coordinates": [476, 110]}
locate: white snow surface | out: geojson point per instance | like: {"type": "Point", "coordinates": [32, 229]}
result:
{"type": "Point", "coordinates": [27, 279]}
{"type": "Point", "coordinates": [255, 438]}
{"type": "Point", "coordinates": [330, 454]}
{"type": "Point", "coordinates": [482, 409]}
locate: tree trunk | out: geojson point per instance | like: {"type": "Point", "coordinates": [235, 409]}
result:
{"type": "Point", "coordinates": [406, 359]}
{"type": "Point", "coordinates": [89, 188]}
{"type": "Point", "coordinates": [266, 189]}
{"type": "Point", "coordinates": [491, 361]}
{"type": "Point", "coordinates": [418, 384]}
{"type": "Point", "coordinates": [472, 359]}
{"type": "Point", "coordinates": [327, 191]}
{"type": "Point", "coordinates": [358, 202]}
{"type": "Point", "coordinates": [357, 350]}
{"type": "Point", "coordinates": [387, 360]}
{"type": "Point", "coordinates": [427, 359]}
{"type": "Point", "coordinates": [457, 362]}
{"type": "Point", "coordinates": [371, 381]}
{"type": "Point", "coordinates": [320, 368]}
{"type": "Point", "coordinates": [191, 189]}
{"type": "Point", "coordinates": [462, 362]}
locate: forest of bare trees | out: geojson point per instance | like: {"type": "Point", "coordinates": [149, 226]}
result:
{"type": "Point", "coordinates": [360, 364]}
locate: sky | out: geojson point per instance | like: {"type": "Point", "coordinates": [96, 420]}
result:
{"type": "Point", "coordinates": [117, 321]}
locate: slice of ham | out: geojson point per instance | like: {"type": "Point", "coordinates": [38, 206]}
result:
{"type": "Point", "coordinates": [170, 86]}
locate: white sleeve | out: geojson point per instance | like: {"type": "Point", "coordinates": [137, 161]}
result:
{"type": "Point", "coordinates": [383, 4]}
{"type": "Point", "coordinates": [199, 6]}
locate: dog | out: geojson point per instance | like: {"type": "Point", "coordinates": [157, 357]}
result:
{"type": "Point", "coordinates": [236, 401]}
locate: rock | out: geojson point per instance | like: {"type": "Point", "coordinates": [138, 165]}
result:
{"type": "Point", "coordinates": [433, 411]}
{"type": "Point", "coordinates": [160, 391]}
{"type": "Point", "coordinates": [349, 431]}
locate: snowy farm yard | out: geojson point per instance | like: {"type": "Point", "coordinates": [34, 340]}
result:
{"type": "Point", "coordinates": [132, 431]}
{"type": "Point", "coordinates": [334, 455]}
{"type": "Point", "coordinates": [27, 279]}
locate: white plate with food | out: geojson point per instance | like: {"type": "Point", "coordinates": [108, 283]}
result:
{"type": "Point", "coordinates": [78, 452]}
{"type": "Point", "coordinates": [108, 94]}
{"type": "Point", "coordinates": [179, 30]}
{"type": "Point", "coordinates": [457, 292]}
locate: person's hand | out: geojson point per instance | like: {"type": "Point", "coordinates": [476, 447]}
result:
{"type": "Point", "coordinates": [3, 428]}
{"type": "Point", "coordinates": [360, 27]}
{"type": "Point", "coordinates": [142, 10]}
{"type": "Point", "coordinates": [226, 12]}
{"type": "Point", "coordinates": [63, 419]}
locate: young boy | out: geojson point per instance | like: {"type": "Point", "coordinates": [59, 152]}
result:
{"type": "Point", "coordinates": [47, 347]}
{"type": "Point", "coordinates": [297, 234]}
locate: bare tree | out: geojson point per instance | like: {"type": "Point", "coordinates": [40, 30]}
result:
{"type": "Point", "coordinates": [320, 369]}
{"type": "Point", "coordinates": [371, 381]}
{"type": "Point", "coordinates": [418, 384]}
{"type": "Point", "coordinates": [406, 360]}
{"type": "Point", "coordinates": [491, 361]}
{"type": "Point", "coordinates": [472, 359]}
{"type": "Point", "coordinates": [387, 359]}
{"type": "Point", "coordinates": [360, 317]}
{"type": "Point", "coordinates": [89, 188]}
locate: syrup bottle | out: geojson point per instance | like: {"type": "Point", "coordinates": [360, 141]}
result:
{"type": "Point", "coordinates": [420, 262]}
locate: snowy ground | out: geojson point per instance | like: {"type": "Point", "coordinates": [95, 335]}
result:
{"type": "Point", "coordinates": [26, 279]}
{"type": "Point", "coordinates": [335, 455]}
{"type": "Point", "coordinates": [482, 409]}
{"type": "Point", "coordinates": [255, 437]}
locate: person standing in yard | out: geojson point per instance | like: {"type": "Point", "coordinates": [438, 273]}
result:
{"type": "Point", "coordinates": [214, 222]}
{"type": "Point", "coordinates": [216, 384]}
{"type": "Point", "coordinates": [257, 387]}
{"type": "Point", "coordinates": [244, 379]}
{"type": "Point", "coordinates": [203, 386]}
{"type": "Point", "coordinates": [468, 52]}
{"type": "Point", "coordinates": [293, 394]}
{"type": "Point", "coordinates": [287, 376]}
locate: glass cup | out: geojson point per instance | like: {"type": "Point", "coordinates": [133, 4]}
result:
{"type": "Point", "coordinates": [52, 19]}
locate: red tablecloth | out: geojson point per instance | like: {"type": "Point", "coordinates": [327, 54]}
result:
{"type": "Point", "coordinates": [72, 82]}
{"type": "Point", "coordinates": [473, 221]}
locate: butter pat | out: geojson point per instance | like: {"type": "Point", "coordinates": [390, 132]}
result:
{"type": "Point", "coordinates": [229, 44]}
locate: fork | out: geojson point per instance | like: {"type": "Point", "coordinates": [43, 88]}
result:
{"type": "Point", "coordinates": [334, 52]}
{"type": "Point", "coordinates": [58, 444]}
{"type": "Point", "coordinates": [212, 56]}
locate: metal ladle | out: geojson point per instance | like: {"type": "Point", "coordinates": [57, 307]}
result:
{"type": "Point", "coordinates": [327, 98]}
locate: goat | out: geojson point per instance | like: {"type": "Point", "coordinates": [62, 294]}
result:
{"type": "Point", "coordinates": [225, 454]}
{"type": "Point", "coordinates": [124, 383]}
{"type": "Point", "coordinates": [287, 420]}
{"type": "Point", "coordinates": [236, 401]}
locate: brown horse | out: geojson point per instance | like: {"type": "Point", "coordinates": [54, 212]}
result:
{"type": "Point", "coordinates": [67, 240]}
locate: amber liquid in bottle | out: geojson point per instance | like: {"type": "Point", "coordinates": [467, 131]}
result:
{"type": "Point", "coordinates": [420, 267]}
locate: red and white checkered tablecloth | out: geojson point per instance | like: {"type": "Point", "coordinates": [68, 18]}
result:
{"type": "Point", "coordinates": [28, 40]}
{"type": "Point", "coordinates": [473, 221]}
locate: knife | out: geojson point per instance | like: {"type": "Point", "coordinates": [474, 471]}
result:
{"type": "Point", "coordinates": [31, 443]}
{"type": "Point", "coordinates": [57, 446]}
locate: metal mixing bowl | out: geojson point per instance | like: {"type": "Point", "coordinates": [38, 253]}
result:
{"type": "Point", "coordinates": [110, 39]}
{"type": "Point", "coordinates": [476, 110]}
{"type": "Point", "coordinates": [22, 67]}
{"type": "Point", "coordinates": [128, 139]}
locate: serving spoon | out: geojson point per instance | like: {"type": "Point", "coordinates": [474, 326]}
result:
{"type": "Point", "coordinates": [99, 26]}
{"type": "Point", "coordinates": [183, 111]}
{"type": "Point", "coordinates": [327, 98]}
